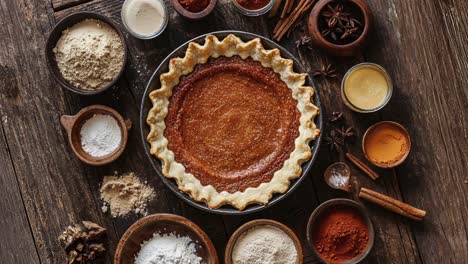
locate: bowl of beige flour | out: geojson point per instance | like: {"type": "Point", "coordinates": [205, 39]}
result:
{"type": "Point", "coordinates": [86, 53]}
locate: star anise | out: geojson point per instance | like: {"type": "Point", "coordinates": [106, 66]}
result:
{"type": "Point", "coordinates": [334, 141]}
{"type": "Point", "coordinates": [327, 71]}
{"type": "Point", "coordinates": [336, 116]}
{"type": "Point", "coordinates": [335, 15]}
{"type": "Point", "coordinates": [303, 41]}
{"type": "Point", "coordinates": [346, 132]}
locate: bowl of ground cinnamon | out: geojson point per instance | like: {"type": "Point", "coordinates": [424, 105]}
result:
{"type": "Point", "coordinates": [194, 9]}
{"type": "Point", "coordinates": [340, 231]}
{"type": "Point", "coordinates": [386, 144]}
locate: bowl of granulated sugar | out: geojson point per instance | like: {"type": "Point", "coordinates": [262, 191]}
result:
{"type": "Point", "coordinates": [165, 238]}
{"type": "Point", "coordinates": [97, 134]}
{"type": "Point", "coordinates": [263, 241]}
{"type": "Point", "coordinates": [86, 53]}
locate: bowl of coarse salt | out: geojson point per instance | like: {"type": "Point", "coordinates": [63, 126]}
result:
{"type": "Point", "coordinates": [165, 238]}
{"type": "Point", "coordinates": [97, 134]}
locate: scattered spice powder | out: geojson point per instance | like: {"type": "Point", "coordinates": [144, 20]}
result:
{"type": "Point", "coordinates": [253, 4]}
{"type": "Point", "coordinates": [125, 194]}
{"type": "Point", "coordinates": [194, 6]}
{"type": "Point", "coordinates": [386, 144]}
{"type": "Point", "coordinates": [340, 234]}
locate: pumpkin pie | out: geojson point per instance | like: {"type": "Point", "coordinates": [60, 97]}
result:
{"type": "Point", "coordinates": [232, 122]}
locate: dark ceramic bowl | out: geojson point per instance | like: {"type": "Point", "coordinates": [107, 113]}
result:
{"type": "Point", "coordinates": [337, 49]}
{"type": "Point", "coordinates": [156, 163]}
{"type": "Point", "coordinates": [55, 35]}
{"type": "Point", "coordinates": [143, 230]}
{"type": "Point", "coordinates": [191, 15]}
{"type": "Point", "coordinates": [333, 203]}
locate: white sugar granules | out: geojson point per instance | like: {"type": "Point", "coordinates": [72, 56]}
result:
{"type": "Point", "coordinates": [100, 135]}
{"type": "Point", "coordinates": [125, 194]}
{"type": "Point", "coordinates": [264, 244]}
{"type": "Point", "coordinates": [168, 249]}
{"type": "Point", "coordinates": [90, 54]}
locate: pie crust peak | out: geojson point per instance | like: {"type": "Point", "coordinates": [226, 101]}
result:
{"type": "Point", "coordinates": [228, 47]}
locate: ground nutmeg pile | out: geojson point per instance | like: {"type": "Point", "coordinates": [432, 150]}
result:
{"type": "Point", "coordinates": [125, 194]}
{"type": "Point", "coordinates": [340, 234]}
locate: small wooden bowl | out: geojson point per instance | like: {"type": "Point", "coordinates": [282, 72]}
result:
{"type": "Point", "coordinates": [55, 35]}
{"type": "Point", "coordinates": [143, 229]}
{"type": "Point", "coordinates": [73, 124]}
{"type": "Point", "coordinates": [193, 16]}
{"type": "Point", "coordinates": [241, 230]}
{"type": "Point", "coordinates": [386, 166]}
{"type": "Point", "coordinates": [336, 49]}
{"type": "Point", "coordinates": [345, 203]}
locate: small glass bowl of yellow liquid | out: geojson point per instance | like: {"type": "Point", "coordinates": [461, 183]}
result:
{"type": "Point", "coordinates": [366, 88]}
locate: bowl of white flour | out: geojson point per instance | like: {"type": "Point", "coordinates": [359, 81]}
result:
{"type": "Point", "coordinates": [86, 53]}
{"type": "Point", "coordinates": [165, 239]}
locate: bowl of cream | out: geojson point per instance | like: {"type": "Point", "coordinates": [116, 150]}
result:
{"type": "Point", "coordinates": [144, 19]}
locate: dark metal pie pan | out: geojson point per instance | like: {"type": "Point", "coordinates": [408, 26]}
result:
{"type": "Point", "coordinates": [156, 163]}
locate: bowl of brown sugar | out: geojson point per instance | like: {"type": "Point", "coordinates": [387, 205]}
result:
{"type": "Point", "coordinates": [386, 144]}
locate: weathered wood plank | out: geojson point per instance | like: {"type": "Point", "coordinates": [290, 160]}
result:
{"type": "Point", "coordinates": [14, 224]}
{"type": "Point", "coordinates": [62, 4]}
{"type": "Point", "coordinates": [429, 66]}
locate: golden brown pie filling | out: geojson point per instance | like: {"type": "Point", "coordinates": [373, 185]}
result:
{"type": "Point", "coordinates": [232, 123]}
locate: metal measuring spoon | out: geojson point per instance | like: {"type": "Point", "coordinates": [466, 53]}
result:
{"type": "Point", "coordinates": [337, 176]}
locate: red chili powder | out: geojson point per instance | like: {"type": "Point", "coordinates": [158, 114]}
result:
{"type": "Point", "coordinates": [194, 6]}
{"type": "Point", "coordinates": [253, 4]}
{"type": "Point", "coordinates": [340, 234]}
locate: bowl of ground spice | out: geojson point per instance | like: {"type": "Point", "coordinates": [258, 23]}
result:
{"type": "Point", "coordinates": [253, 7]}
{"type": "Point", "coordinates": [194, 9]}
{"type": "Point", "coordinates": [86, 53]}
{"type": "Point", "coordinates": [386, 144]}
{"type": "Point", "coordinates": [263, 241]}
{"type": "Point", "coordinates": [340, 231]}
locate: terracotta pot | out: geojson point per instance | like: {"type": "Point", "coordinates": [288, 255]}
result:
{"type": "Point", "coordinates": [338, 49]}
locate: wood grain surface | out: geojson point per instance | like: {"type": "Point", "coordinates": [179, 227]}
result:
{"type": "Point", "coordinates": [422, 44]}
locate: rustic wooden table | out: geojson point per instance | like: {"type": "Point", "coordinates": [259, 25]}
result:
{"type": "Point", "coordinates": [44, 187]}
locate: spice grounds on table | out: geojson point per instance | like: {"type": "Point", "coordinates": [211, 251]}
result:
{"type": "Point", "coordinates": [144, 17]}
{"type": "Point", "coordinates": [341, 22]}
{"type": "Point", "coordinates": [366, 87]}
{"type": "Point", "coordinates": [125, 194]}
{"type": "Point", "coordinates": [168, 249]}
{"type": "Point", "coordinates": [194, 6]}
{"type": "Point", "coordinates": [386, 144]}
{"type": "Point", "coordinates": [100, 135]}
{"type": "Point", "coordinates": [90, 54]}
{"type": "Point", "coordinates": [253, 4]}
{"type": "Point", "coordinates": [264, 244]}
{"type": "Point", "coordinates": [340, 234]}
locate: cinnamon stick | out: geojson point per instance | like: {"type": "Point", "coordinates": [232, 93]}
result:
{"type": "Point", "coordinates": [285, 8]}
{"type": "Point", "coordinates": [291, 4]}
{"type": "Point", "coordinates": [274, 10]}
{"type": "Point", "coordinates": [301, 8]}
{"type": "Point", "coordinates": [392, 204]}
{"type": "Point", "coordinates": [361, 165]}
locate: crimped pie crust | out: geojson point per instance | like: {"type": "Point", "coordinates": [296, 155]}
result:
{"type": "Point", "coordinates": [199, 54]}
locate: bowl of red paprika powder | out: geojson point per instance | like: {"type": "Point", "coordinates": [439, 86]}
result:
{"type": "Point", "coordinates": [194, 9]}
{"type": "Point", "coordinates": [340, 231]}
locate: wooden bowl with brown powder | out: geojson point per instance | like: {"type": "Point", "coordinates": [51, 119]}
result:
{"type": "Point", "coordinates": [56, 34]}
{"type": "Point", "coordinates": [340, 231]}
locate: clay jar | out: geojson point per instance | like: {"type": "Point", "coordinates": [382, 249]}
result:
{"type": "Point", "coordinates": [339, 49]}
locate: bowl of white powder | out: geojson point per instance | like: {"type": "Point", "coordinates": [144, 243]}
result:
{"type": "Point", "coordinates": [165, 239]}
{"type": "Point", "coordinates": [263, 241]}
{"type": "Point", "coordinates": [97, 134]}
{"type": "Point", "coordinates": [86, 53]}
